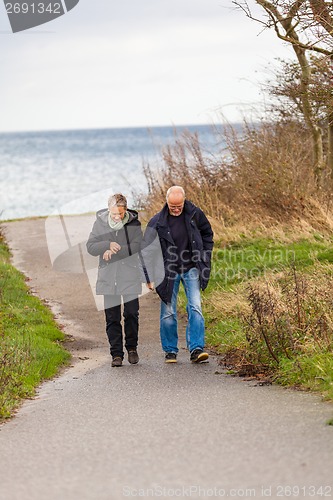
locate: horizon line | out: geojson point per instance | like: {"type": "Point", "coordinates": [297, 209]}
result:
{"type": "Point", "coordinates": [83, 129]}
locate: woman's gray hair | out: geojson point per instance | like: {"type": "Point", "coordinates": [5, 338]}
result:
{"type": "Point", "coordinates": [117, 200]}
{"type": "Point", "coordinates": [178, 189]}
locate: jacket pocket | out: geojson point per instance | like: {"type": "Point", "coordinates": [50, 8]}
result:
{"type": "Point", "coordinates": [105, 279]}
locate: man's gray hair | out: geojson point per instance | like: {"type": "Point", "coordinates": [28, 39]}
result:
{"type": "Point", "coordinates": [172, 189]}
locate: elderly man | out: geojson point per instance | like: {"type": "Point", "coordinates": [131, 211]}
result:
{"type": "Point", "coordinates": [185, 240]}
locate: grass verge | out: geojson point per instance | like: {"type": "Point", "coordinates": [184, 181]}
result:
{"type": "Point", "coordinates": [30, 341]}
{"type": "Point", "coordinates": [269, 311]}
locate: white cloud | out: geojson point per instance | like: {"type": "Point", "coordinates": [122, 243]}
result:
{"type": "Point", "coordinates": [134, 63]}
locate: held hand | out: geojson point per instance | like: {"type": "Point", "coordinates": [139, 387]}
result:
{"type": "Point", "coordinates": [150, 285]}
{"type": "Point", "coordinates": [107, 255]}
{"type": "Point", "coordinates": [114, 247]}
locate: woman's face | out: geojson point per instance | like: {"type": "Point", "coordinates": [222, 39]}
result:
{"type": "Point", "coordinates": [117, 213]}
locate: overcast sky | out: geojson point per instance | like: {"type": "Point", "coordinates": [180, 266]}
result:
{"type": "Point", "coordinates": [134, 63]}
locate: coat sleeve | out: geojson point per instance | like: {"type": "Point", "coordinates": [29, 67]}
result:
{"type": "Point", "coordinates": [151, 261]}
{"type": "Point", "coordinates": [207, 235]}
{"type": "Point", "coordinates": [97, 243]}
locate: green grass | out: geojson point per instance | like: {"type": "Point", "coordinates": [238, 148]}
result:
{"type": "Point", "coordinates": [313, 372]}
{"type": "Point", "coordinates": [241, 262]}
{"type": "Point", "coordinates": [226, 306]}
{"type": "Point", "coordinates": [247, 260]}
{"type": "Point", "coordinates": [30, 341]}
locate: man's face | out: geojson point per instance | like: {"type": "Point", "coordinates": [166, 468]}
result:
{"type": "Point", "coordinates": [175, 204]}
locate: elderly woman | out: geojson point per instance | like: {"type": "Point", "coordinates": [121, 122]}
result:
{"type": "Point", "coordinates": [116, 238]}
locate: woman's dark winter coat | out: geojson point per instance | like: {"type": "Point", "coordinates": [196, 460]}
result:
{"type": "Point", "coordinates": [120, 275]}
{"type": "Point", "coordinates": [158, 243]}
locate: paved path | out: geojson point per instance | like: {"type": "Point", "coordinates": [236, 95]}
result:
{"type": "Point", "coordinates": [151, 430]}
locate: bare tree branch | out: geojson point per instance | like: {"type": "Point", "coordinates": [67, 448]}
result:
{"type": "Point", "coordinates": [295, 8]}
{"type": "Point", "coordinates": [322, 15]}
{"type": "Point", "coordinates": [293, 22]}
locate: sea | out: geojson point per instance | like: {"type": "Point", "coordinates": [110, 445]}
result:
{"type": "Point", "coordinates": [74, 171]}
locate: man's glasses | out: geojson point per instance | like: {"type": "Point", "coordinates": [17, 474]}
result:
{"type": "Point", "coordinates": [176, 207]}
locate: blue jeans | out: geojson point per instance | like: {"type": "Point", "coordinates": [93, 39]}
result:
{"type": "Point", "coordinates": [195, 330]}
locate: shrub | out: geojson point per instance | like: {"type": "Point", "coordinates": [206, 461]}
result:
{"type": "Point", "coordinates": [263, 171]}
{"type": "Point", "coordinates": [291, 316]}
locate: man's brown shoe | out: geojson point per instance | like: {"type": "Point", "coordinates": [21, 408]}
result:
{"type": "Point", "coordinates": [133, 357]}
{"type": "Point", "coordinates": [117, 361]}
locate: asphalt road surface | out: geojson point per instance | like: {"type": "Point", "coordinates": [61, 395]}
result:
{"type": "Point", "coordinates": [151, 430]}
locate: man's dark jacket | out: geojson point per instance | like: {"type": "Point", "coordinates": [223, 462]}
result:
{"type": "Point", "coordinates": [200, 236]}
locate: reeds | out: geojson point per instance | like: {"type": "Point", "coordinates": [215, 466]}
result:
{"type": "Point", "coordinates": [263, 172]}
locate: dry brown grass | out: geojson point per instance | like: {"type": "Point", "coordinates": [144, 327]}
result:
{"type": "Point", "coordinates": [184, 163]}
{"type": "Point", "coordinates": [228, 303]}
{"type": "Point", "coordinates": [292, 313]}
{"type": "Point", "coordinates": [261, 183]}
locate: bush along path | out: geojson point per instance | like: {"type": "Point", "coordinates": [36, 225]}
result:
{"type": "Point", "coordinates": [269, 310]}
{"type": "Point", "coordinates": [30, 341]}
